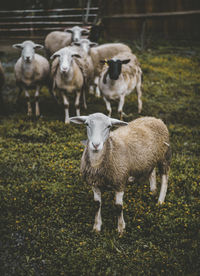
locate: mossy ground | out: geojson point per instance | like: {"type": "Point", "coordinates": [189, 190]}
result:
{"type": "Point", "coordinates": [47, 211]}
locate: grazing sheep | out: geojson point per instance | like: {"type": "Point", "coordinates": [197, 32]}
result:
{"type": "Point", "coordinates": [68, 76]}
{"type": "Point", "coordinates": [57, 40]}
{"type": "Point", "coordinates": [31, 71]}
{"type": "Point", "coordinates": [119, 77]}
{"type": "Point", "coordinates": [110, 158]}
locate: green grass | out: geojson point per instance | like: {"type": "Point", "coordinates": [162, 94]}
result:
{"type": "Point", "coordinates": [47, 211]}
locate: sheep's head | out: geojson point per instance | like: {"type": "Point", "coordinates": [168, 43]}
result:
{"type": "Point", "coordinates": [114, 67]}
{"type": "Point", "coordinates": [28, 48]}
{"type": "Point", "coordinates": [65, 56]}
{"type": "Point", "coordinates": [98, 128]}
{"type": "Point", "coordinates": [85, 44]}
{"type": "Point", "coordinates": [77, 32]}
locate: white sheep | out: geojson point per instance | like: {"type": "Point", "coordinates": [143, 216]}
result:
{"type": "Point", "coordinates": [110, 158]}
{"type": "Point", "coordinates": [31, 71]}
{"type": "Point", "coordinates": [57, 40]}
{"type": "Point", "coordinates": [118, 78]}
{"type": "Point", "coordinates": [68, 76]}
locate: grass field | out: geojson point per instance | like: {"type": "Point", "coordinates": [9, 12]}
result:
{"type": "Point", "coordinates": [47, 211]}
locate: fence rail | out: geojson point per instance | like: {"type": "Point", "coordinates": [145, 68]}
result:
{"type": "Point", "coordinates": [40, 21]}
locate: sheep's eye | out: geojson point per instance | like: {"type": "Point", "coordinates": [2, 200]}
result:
{"type": "Point", "coordinates": [109, 126]}
{"type": "Point", "coordinates": [86, 124]}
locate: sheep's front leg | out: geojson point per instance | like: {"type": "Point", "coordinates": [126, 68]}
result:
{"type": "Point", "coordinates": [37, 108]}
{"type": "Point", "coordinates": [119, 205]}
{"type": "Point", "coordinates": [66, 106]}
{"type": "Point", "coordinates": [108, 106]}
{"type": "Point", "coordinates": [120, 106]}
{"type": "Point", "coordinates": [77, 103]}
{"type": "Point", "coordinates": [29, 112]}
{"type": "Point", "coordinates": [97, 90]}
{"type": "Point", "coordinates": [97, 198]}
{"type": "Point", "coordinates": [152, 180]}
{"type": "Point", "coordinates": [139, 93]}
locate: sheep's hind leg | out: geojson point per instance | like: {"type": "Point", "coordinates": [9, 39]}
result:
{"type": "Point", "coordinates": [29, 112]}
{"type": "Point", "coordinates": [77, 103]}
{"type": "Point", "coordinates": [66, 106]}
{"type": "Point", "coordinates": [98, 220]}
{"type": "Point", "coordinates": [152, 181]}
{"type": "Point", "coordinates": [108, 106]}
{"type": "Point", "coordinates": [139, 93]}
{"type": "Point", "coordinates": [119, 204]}
{"type": "Point", "coordinates": [37, 108]}
{"type": "Point", "coordinates": [164, 171]}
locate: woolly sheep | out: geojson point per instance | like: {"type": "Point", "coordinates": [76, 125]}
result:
{"type": "Point", "coordinates": [68, 77]}
{"type": "Point", "coordinates": [57, 40]}
{"type": "Point", "coordinates": [110, 158]}
{"type": "Point", "coordinates": [31, 71]}
{"type": "Point", "coordinates": [118, 78]}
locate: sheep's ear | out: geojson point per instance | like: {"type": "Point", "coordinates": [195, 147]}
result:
{"type": "Point", "coordinates": [54, 55]}
{"type": "Point", "coordinates": [38, 46]}
{"type": "Point", "coordinates": [125, 61]}
{"type": "Point", "coordinates": [116, 122]}
{"type": "Point", "coordinates": [104, 61]}
{"type": "Point", "coordinates": [85, 32]}
{"type": "Point", "coordinates": [78, 119]}
{"type": "Point", "coordinates": [76, 55]}
{"type": "Point", "coordinates": [93, 44]}
{"type": "Point", "coordinates": [76, 43]}
{"type": "Point", "coordinates": [68, 31]}
{"type": "Point", "coordinates": [17, 46]}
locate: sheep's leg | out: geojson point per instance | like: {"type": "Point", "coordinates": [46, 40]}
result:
{"type": "Point", "coordinates": [163, 190]}
{"type": "Point", "coordinates": [97, 90]}
{"type": "Point", "coordinates": [119, 204]}
{"type": "Point", "coordinates": [164, 171]}
{"type": "Point", "coordinates": [66, 106]}
{"type": "Point", "coordinates": [120, 106]}
{"type": "Point", "coordinates": [108, 106]}
{"type": "Point", "coordinates": [77, 103]}
{"type": "Point", "coordinates": [152, 180]}
{"type": "Point", "coordinates": [139, 93]}
{"type": "Point", "coordinates": [37, 108]}
{"type": "Point", "coordinates": [97, 198]}
{"type": "Point", "coordinates": [29, 112]}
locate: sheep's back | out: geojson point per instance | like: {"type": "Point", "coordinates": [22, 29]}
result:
{"type": "Point", "coordinates": [56, 40]}
{"type": "Point", "coordinates": [144, 142]}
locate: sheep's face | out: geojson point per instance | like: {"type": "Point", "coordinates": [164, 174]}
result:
{"type": "Point", "coordinates": [98, 128]}
{"type": "Point", "coordinates": [28, 50]}
{"type": "Point", "coordinates": [77, 32]}
{"type": "Point", "coordinates": [85, 44]}
{"type": "Point", "coordinates": [115, 67]}
{"type": "Point", "coordinates": [65, 59]}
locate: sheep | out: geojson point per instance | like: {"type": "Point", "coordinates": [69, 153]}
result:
{"type": "Point", "coordinates": [31, 71]}
{"type": "Point", "coordinates": [57, 40]}
{"type": "Point", "coordinates": [110, 157]}
{"type": "Point", "coordinates": [68, 75]}
{"type": "Point", "coordinates": [104, 51]}
{"type": "Point", "coordinates": [118, 78]}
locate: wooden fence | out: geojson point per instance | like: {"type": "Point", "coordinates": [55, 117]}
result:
{"type": "Point", "coordinates": [38, 22]}
{"type": "Point", "coordinates": [129, 19]}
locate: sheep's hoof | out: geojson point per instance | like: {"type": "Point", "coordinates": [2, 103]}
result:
{"type": "Point", "coordinates": [153, 192]}
{"type": "Point", "coordinates": [67, 122]}
{"type": "Point", "coordinates": [96, 230]}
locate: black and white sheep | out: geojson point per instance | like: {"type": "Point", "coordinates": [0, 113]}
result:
{"type": "Point", "coordinates": [119, 77]}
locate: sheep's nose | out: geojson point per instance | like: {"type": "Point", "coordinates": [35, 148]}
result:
{"type": "Point", "coordinates": [64, 68]}
{"type": "Point", "coordinates": [96, 146]}
{"type": "Point", "coordinates": [28, 58]}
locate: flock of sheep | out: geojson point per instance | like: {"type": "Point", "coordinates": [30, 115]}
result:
{"type": "Point", "coordinates": [110, 158]}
